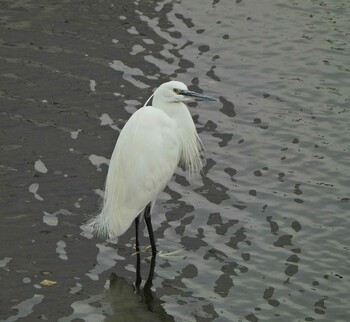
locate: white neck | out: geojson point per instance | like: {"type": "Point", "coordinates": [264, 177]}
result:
{"type": "Point", "coordinates": [191, 145]}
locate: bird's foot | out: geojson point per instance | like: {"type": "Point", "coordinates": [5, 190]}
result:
{"type": "Point", "coordinates": [142, 249]}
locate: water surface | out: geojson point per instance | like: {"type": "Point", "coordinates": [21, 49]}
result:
{"type": "Point", "coordinates": [263, 232]}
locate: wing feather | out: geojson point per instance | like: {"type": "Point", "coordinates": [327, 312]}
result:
{"type": "Point", "coordinates": [143, 161]}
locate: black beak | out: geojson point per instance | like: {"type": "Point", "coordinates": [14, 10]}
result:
{"type": "Point", "coordinates": [197, 95]}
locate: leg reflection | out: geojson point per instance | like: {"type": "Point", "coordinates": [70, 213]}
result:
{"type": "Point", "coordinates": [148, 285]}
{"type": "Point", "coordinates": [132, 302]}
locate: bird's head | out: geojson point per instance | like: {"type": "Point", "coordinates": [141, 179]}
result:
{"type": "Point", "coordinates": [174, 91]}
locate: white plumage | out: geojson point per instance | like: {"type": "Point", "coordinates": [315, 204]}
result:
{"type": "Point", "coordinates": [150, 146]}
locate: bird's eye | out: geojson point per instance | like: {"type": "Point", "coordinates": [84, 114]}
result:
{"type": "Point", "coordinates": [176, 91]}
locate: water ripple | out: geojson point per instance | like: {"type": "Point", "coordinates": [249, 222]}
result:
{"type": "Point", "coordinates": [262, 232]}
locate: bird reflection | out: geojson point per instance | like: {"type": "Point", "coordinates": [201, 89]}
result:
{"type": "Point", "coordinates": [132, 302]}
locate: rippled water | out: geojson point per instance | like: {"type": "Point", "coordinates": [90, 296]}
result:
{"type": "Point", "coordinates": [262, 234]}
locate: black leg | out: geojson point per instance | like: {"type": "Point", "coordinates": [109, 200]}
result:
{"type": "Point", "coordinates": [138, 260]}
{"type": "Point", "coordinates": [137, 221]}
{"type": "Point", "coordinates": [148, 283]}
{"type": "Point", "coordinates": [149, 228]}
{"type": "Point", "coordinates": [147, 289]}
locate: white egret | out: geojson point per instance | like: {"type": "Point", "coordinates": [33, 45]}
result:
{"type": "Point", "coordinates": [149, 148]}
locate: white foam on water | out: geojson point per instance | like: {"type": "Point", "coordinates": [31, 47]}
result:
{"type": "Point", "coordinates": [106, 259]}
{"type": "Point", "coordinates": [92, 85]}
{"type": "Point", "coordinates": [107, 120]}
{"type": "Point", "coordinates": [74, 134]}
{"type": "Point", "coordinates": [60, 250]}
{"type": "Point", "coordinates": [40, 166]}
{"type": "Point", "coordinates": [33, 188]}
{"type": "Point", "coordinates": [132, 30]}
{"type": "Point", "coordinates": [25, 307]}
{"type": "Point", "coordinates": [136, 49]}
{"type": "Point", "coordinates": [52, 219]}
{"type": "Point", "coordinates": [5, 261]}
{"type": "Point", "coordinates": [98, 161]}
{"type": "Point", "coordinates": [129, 73]}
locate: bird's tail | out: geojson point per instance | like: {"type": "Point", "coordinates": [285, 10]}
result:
{"type": "Point", "coordinates": [114, 218]}
{"type": "Point", "coordinates": [100, 225]}
{"type": "Point", "coordinates": [110, 222]}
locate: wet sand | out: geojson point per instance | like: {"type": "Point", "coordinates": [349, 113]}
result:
{"type": "Point", "coordinates": [264, 230]}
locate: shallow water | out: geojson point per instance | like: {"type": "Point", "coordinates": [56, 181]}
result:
{"type": "Point", "coordinates": [262, 234]}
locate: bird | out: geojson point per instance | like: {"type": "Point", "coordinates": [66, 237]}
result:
{"type": "Point", "coordinates": [153, 142]}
